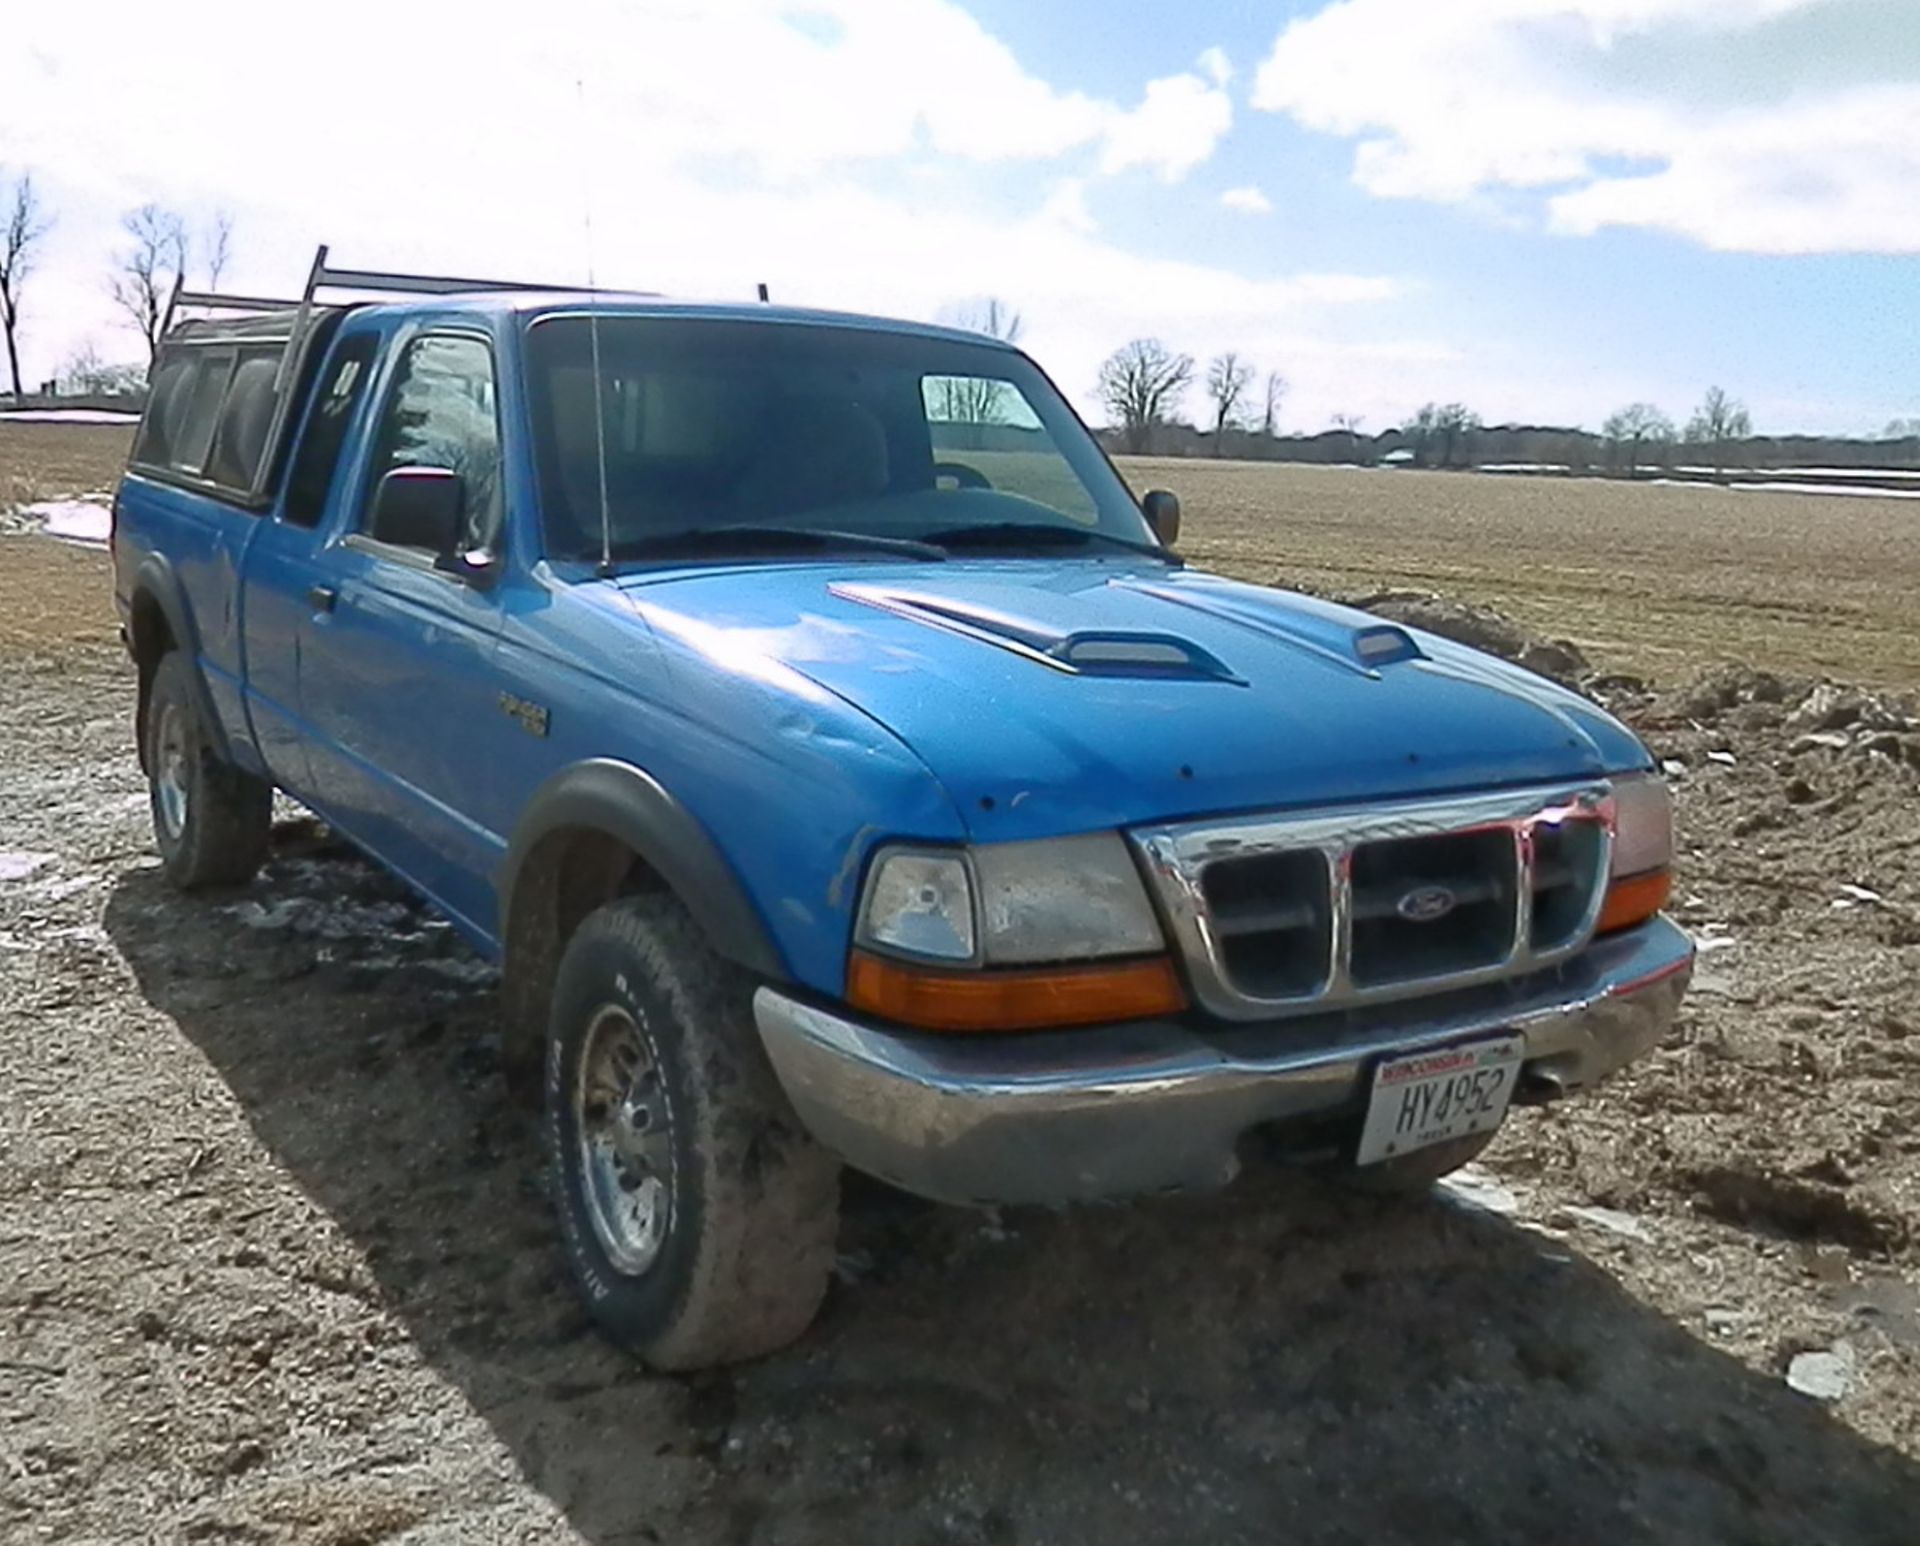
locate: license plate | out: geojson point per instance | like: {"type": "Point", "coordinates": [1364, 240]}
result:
{"type": "Point", "coordinates": [1429, 1097]}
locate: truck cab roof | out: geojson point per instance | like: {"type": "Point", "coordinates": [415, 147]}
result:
{"type": "Point", "coordinates": [280, 324]}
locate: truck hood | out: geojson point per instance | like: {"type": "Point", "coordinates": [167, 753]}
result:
{"type": "Point", "coordinates": [1055, 697]}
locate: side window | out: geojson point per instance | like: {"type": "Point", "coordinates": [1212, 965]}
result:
{"type": "Point", "coordinates": [193, 442]}
{"type": "Point", "coordinates": [172, 386]}
{"type": "Point", "coordinates": [441, 413]}
{"type": "Point", "coordinates": [336, 397]}
{"type": "Point", "coordinates": [245, 418]}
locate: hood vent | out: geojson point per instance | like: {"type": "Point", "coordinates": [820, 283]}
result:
{"type": "Point", "coordinates": [1124, 652]}
{"type": "Point", "coordinates": [1321, 627]}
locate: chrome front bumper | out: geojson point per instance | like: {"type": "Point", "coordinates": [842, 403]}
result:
{"type": "Point", "coordinates": [1059, 1116]}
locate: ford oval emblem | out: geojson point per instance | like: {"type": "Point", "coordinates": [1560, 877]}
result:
{"type": "Point", "coordinates": [1425, 904]}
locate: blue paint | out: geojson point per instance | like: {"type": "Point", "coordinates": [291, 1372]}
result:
{"type": "Point", "coordinates": [803, 710]}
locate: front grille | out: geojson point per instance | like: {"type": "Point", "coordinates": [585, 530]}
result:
{"type": "Point", "coordinates": [1312, 912]}
{"type": "Point", "coordinates": [1477, 871]}
{"type": "Point", "coordinates": [1273, 918]}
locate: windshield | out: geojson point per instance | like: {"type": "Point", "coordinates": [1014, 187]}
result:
{"type": "Point", "coordinates": [835, 430]}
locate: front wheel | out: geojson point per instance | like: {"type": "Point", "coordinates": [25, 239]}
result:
{"type": "Point", "coordinates": [211, 820]}
{"type": "Point", "coordinates": [698, 1217]}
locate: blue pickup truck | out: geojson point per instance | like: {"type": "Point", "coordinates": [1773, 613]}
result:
{"type": "Point", "coordinates": [844, 769]}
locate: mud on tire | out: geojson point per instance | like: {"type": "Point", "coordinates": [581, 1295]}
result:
{"type": "Point", "coordinates": [211, 820]}
{"type": "Point", "coordinates": [697, 1216]}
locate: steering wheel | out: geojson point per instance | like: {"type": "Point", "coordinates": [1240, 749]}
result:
{"type": "Point", "coordinates": [961, 473]}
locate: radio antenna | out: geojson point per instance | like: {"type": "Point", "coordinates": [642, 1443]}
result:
{"type": "Point", "coordinates": [593, 335]}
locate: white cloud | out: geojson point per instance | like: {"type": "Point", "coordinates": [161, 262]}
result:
{"type": "Point", "coordinates": [719, 147]}
{"type": "Point", "coordinates": [1173, 130]}
{"type": "Point", "coordinates": [1248, 200]}
{"type": "Point", "coordinates": [1215, 65]}
{"type": "Point", "coordinates": [1067, 207]}
{"type": "Point", "coordinates": [1757, 125]}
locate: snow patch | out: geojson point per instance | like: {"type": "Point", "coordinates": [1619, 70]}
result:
{"type": "Point", "coordinates": [69, 416]}
{"type": "Point", "coordinates": [1864, 490]}
{"type": "Point", "coordinates": [16, 864]}
{"type": "Point", "coordinates": [1838, 474]}
{"type": "Point", "coordinates": [84, 521]}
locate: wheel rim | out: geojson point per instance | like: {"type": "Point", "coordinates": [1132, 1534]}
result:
{"type": "Point", "coordinates": [625, 1127]}
{"type": "Point", "coordinates": [171, 757]}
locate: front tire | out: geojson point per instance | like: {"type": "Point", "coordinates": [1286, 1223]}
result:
{"type": "Point", "coordinates": [698, 1217]}
{"type": "Point", "coordinates": [211, 820]}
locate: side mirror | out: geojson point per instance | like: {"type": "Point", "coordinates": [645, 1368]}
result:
{"type": "Point", "coordinates": [1162, 511]}
{"type": "Point", "coordinates": [420, 507]}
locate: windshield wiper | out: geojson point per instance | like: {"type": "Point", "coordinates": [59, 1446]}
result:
{"type": "Point", "coordinates": [768, 539]}
{"type": "Point", "coordinates": [1040, 534]}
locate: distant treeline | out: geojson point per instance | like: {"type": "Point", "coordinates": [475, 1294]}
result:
{"type": "Point", "coordinates": [1544, 447]}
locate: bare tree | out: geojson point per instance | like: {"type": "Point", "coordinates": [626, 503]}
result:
{"type": "Point", "coordinates": [1901, 429]}
{"type": "Point", "coordinates": [1349, 425]}
{"type": "Point", "coordinates": [219, 245]}
{"type": "Point", "coordinates": [145, 272]}
{"type": "Point", "coordinates": [1140, 383]}
{"type": "Point", "coordinates": [1228, 377]}
{"type": "Point", "coordinates": [1630, 429]}
{"type": "Point", "coordinates": [1270, 412]}
{"type": "Point", "coordinates": [1455, 427]}
{"type": "Point", "coordinates": [976, 399]}
{"type": "Point", "coordinates": [1717, 420]}
{"type": "Point", "coordinates": [83, 372]}
{"type": "Point", "coordinates": [985, 314]}
{"type": "Point", "coordinates": [1442, 435]}
{"type": "Point", "coordinates": [25, 227]}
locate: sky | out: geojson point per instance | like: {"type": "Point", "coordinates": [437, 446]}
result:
{"type": "Point", "coordinates": [1541, 208]}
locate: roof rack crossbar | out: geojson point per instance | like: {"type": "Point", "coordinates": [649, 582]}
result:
{"type": "Point", "coordinates": [284, 372]}
{"type": "Point", "coordinates": [215, 299]}
{"type": "Point", "coordinates": [423, 284]}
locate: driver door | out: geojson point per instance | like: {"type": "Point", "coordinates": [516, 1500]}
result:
{"type": "Point", "coordinates": [400, 682]}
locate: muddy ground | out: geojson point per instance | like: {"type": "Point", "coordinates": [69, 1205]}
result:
{"type": "Point", "coordinates": [275, 1263]}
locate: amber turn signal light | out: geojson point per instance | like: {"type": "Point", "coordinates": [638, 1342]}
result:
{"type": "Point", "coordinates": [1634, 899]}
{"type": "Point", "coordinates": [1013, 1000]}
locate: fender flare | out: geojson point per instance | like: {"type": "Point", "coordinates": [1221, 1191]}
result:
{"type": "Point", "coordinates": [155, 578]}
{"type": "Point", "coordinates": [629, 804]}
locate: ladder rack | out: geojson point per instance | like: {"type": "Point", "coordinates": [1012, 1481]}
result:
{"type": "Point", "coordinates": [321, 277]}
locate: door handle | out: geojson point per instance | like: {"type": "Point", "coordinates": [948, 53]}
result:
{"type": "Point", "coordinates": [322, 597]}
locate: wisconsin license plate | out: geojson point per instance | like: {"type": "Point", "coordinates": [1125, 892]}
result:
{"type": "Point", "coordinates": [1429, 1097]}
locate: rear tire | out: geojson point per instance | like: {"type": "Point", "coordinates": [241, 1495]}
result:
{"type": "Point", "coordinates": [1410, 1174]}
{"type": "Point", "coordinates": [211, 820]}
{"type": "Point", "coordinates": [698, 1216]}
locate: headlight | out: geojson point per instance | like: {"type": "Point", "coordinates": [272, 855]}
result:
{"type": "Point", "coordinates": [1063, 899]}
{"type": "Point", "coordinates": [1011, 937]}
{"type": "Point", "coordinates": [1009, 904]}
{"type": "Point", "coordinates": [920, 904]}
{"type": "Point", "coordinates": [1643, 824]}
{"type": "Point", "coordinates": [1641, 875]}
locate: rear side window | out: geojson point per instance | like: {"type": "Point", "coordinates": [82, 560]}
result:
{"type": "Point", "coordinates": [209, 414]}
{"type": "Point", "coordinates": [193, 442]}
{"type": "Point", "coordinates": [334, 403]}
{"type": "Point", "coordinates": [172, 386]}
{"type": "Point", "coordinates": [246, 415]}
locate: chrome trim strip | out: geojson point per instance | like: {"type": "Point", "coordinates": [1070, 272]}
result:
{"type": "Point", "coordinates": [1524, 861]}
{"type": "Point", "coordinates": [1176, 857]}
{"type": "Point", "coordinates": [1340, 877]}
